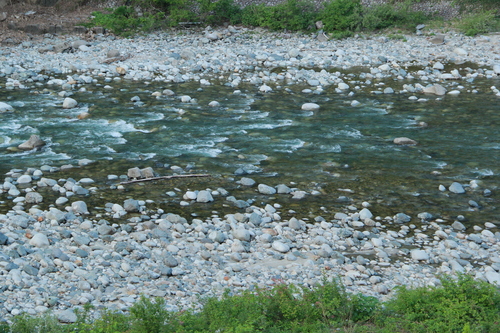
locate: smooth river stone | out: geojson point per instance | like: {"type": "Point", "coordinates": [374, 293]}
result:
{"type": "Point", "coordinates": [456, 188]}
{"type": "Point", "coordinates": [310, 106]}
{"type": "Point", "coordinates": [69, 103]}
{"type": "Point", "coordinates": [4, 107]}
{"type": "Point", "coordinates": [405, 141]}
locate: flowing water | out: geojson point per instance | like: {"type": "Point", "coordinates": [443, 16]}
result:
{"type": "Point", "coordinates": [346, 153]}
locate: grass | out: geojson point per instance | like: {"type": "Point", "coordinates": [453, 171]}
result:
{"type": "Point", "coordinates": [459, 305]}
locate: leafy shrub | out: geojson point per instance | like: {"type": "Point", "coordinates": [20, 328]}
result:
{"type": "Point", "coordinates": [479, 23]}
{"type": "Point", "coordinates": [124, 20]}
{"type": "Point", "coordinates": [341, 15]}
{"type": "Point", "coordinates": [386, 15]}
{"type": "Point", "coordinates": [455, 305]}
{"type": "Point", "coordinates": [293, 15]}
{"type": "Point", "coordinates": [220, 12]}
{"type": "Point", "coordinates": [149, 316]}
{"type": "Point", "coordinates": [27, 324]}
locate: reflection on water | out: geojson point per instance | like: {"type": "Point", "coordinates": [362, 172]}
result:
{"type": "Point", "coordinates": [336, 147]}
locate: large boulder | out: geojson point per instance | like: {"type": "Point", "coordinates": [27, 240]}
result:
{"type": "Point", "coordinates": [4, 107]}
{"type": "Point", "coordinates": [33, 142]}
{"type": "Point", "coordinates": [69, 103]}
{"type": "Point", "coordinates": [435, 89]}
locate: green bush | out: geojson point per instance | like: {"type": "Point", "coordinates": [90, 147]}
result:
{"type": "Point", "coordinates": [386, 15]}
{"type": "Point", "coordinates": [455, 305]}
{"type": "Point", "coordinates": [124, 20]}
{"type": "Point", "coordinates": [341, 15]}
{"type": "Point", "coordinates": [479, 23]}
{"type": "Point", "coordinates": [292, 15]}
{"type": "Point", "coordinates": [220, 11]}
{"type": "Point", "coordinates": [28, 324]}
{"type": "Point", "coordinates": [149, 316]}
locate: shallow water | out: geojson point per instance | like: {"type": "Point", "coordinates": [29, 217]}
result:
{"type": "Point", "coordinates": [344, 152]}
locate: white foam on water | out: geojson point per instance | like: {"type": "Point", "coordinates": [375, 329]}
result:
{"type": "Point", "coordinates": [336, 148]}
{"type": "Point", "coordinates": [6, 141]}
{"type": "Point", "coordinates": [288, 146]}
{"type": "Point", "coordinates": [351, 133]}
{"type": "Point", "coordinates": [280, 123]}
{"type": "Point", "coordinates": [484, 172]}
{"type": "Point", "coordinates": [150, 116]}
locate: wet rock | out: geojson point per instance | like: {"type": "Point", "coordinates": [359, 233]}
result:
{"type": "Point", "coordinates": [4, 107]}
{"type": "Point", "coordinates": [310, 106]}
{"type": "Point", "coordinates": [266, 189]}
{"type": "Point", "coordinates": [247, 181]}
{"type": "Point", "coordinates": [435, 89]}
{"type": "Point", "coordinates": [401, 218]}
{"type": "Point", "coordinates": [204, 197]}
{"type": "Point", "coordinates": [131, 205]}
{"type": "Point", "coordinates": [456, 188]}
{"type": "Point", "coordinates": [404, 141]}
{"type": "Point", "coordinates": [24, 179]}
{"type": "Point", "coordinates": [134, 173]}
{"type": "Point", "coordinates": [33, 198]}
{"type": "Point", "coordinates": [69, 103]}
{"type": "Point", "coordinates": [33, 142]}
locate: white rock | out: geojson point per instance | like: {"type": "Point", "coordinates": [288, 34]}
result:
{"type": "Point", "coordinates": [265, 88]}
{"type": "Point", "coordinates": [266, 189]}
{"type": "Point", "coordinates": [343, 86]}
{"type": "Point", "coordinates": [404, 141]}
{"type": "Point", "coordinates": [24, 179]}
{"type": "Point", "coordinates": [438, 66]}
{"type": "Point", "coordinates": [310, 106]}
{"type": "Point", "coordinates": [456, 188]}
{"type": "Point", "coordinates": [454, 92]}
{"type": "Point", "coordinates": [39, 240]}
{"type": "Point", "coordinates": [461, 52]}
{"type": "Point", "coordinates": [204, 196]}
{"type": "Point", "coordinates": [496, 69]}
{"type": "Point", "coordinates": [280, 247]}
{"type": "Point", "coordinates": [69, 103]}
{"type": "Point", "coordinates": [492, 277]}
{"type": "Point", "coordinates": [4, 107]}
{"type": "Point", "coordinates": [419, 255]}
{"type": "Point", "coordinates": [365, 214]}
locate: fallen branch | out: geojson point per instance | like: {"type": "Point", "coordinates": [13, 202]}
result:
{"type": "Point", "coordinates": [163, 177]}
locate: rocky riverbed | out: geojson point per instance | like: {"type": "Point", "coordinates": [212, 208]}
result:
{"type": "Point", "coordinates": [62, 256]}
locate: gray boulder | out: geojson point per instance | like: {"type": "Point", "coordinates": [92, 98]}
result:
{"type": "Point", "coordinates": [4, 107]}
{"type": "Point", "coordinates": [79, 207]}
{"type": "Point", "coordinates": [67, 316]}
{"type": "Point", "coordinates": [33, 142]}
{"type": "Point", "coordinates": [265, 189]}
{"type": "Point", "coordinates": [131, 205]}
{"type": "Point", "coordinates": [204, 197]}
{"type": "Point", "coordinates": [456, 188]}
{"type": "Point", "coordinates": [33, 197]}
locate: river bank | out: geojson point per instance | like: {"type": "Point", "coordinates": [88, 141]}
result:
{"type": "Point", "coordinates": [70, 254]}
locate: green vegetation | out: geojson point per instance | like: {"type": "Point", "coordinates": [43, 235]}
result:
{"type": "Point", "coordinates": [458, 305]}
{"type": "Point", "coordinates": [341, 18]}
{"type": "Point", "coordinates": [479, 23]}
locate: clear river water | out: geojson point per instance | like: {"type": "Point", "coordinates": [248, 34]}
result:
{"type": "Point", "coordinates": [344, 152]}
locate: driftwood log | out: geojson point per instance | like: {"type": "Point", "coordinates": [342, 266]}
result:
{"type": "Point", "coordinates": [163, 177]}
